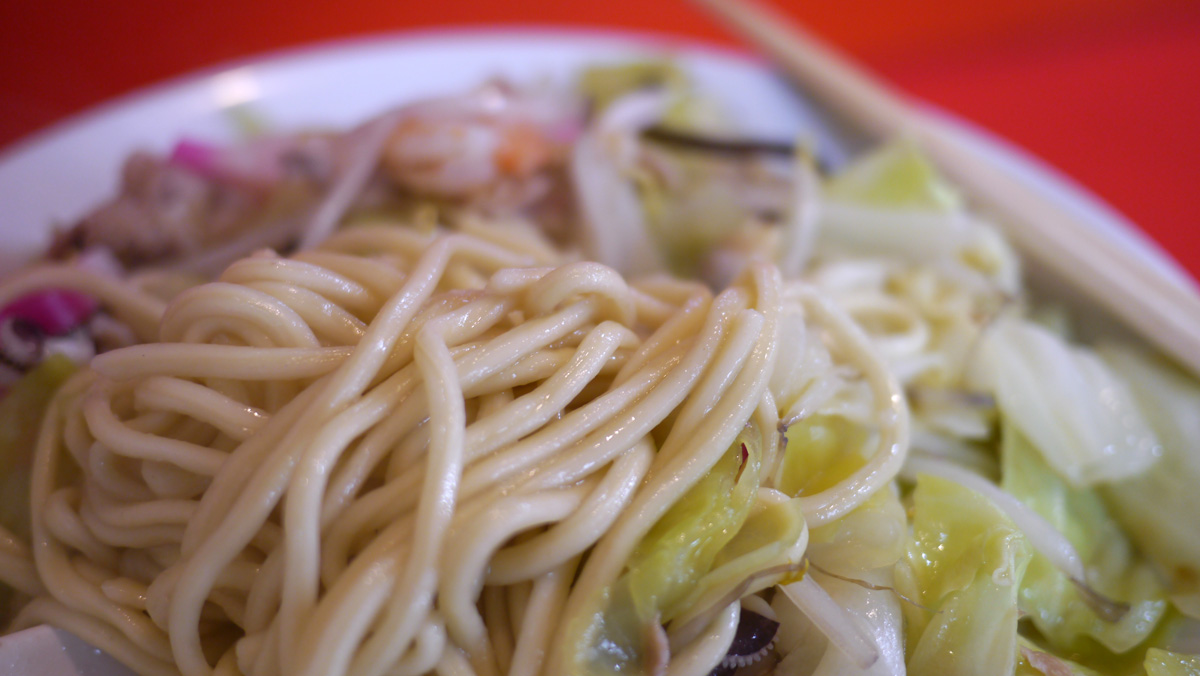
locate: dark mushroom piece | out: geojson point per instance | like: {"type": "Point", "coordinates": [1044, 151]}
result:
{"type": "Point", "coordinates": [753, 641]}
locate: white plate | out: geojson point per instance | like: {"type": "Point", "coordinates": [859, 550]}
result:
{"type": "Point", "coordinates": [54, 176]}
{"type": "Point", "coordinates": [51, 178]}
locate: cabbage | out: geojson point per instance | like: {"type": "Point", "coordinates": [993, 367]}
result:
{"type": "Point", "coordinates": [21, 411]}
{"type": "Point", "coordinates": [690, 219]}
{"type": "Point", "coordinates": [878, 613]}
{"type": "Point", "coordinates": [768, 547]}
{"type": "Point", "coordinates": [963, 565]}
{"type": "Point", "coordinates": [611, 213]}
{"type": "Point", "coordinates": [602, 85]}
{"type": "Point", "coordinates": [1159, 508]}
{"type": "Point", "coordinates": [820, 451]}
{"type": "Point", "coordinates": [1163, 663]}
{"type": "Point", "coordinates": [1066, 401]}
{"type": "Point", "coordinates": [875, 612]}
{"type": "Point", "coordinates": [677, 552]}
{"type": "Point", "coordinates": [895, 177]}
{"type": "Point", "coordinates": [1052, 601]}
{"type": "Point", "coordinates": [684, 544]}
{"type": "Point", "coordinates": [893, 204]}
{"type": "Point", "coordinates": [870, 537]}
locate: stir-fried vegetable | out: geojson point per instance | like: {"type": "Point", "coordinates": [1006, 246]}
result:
{"type": "Point", "coordinates": [964, 566]}
{"type": "Point", "coordinates": [1159, 508]}
{"type": "Point", "coordinates": [896, 177]}
{"type": "Point", "coordinates": [1053, 602]}
{"type": "Point", "coordinates": [1068, 403]}
{"type": "Point", "coordinates": [671, 558]}
{"type": "Point", "coordinates": [601, 85]}
{"type": "Point", "coordinates": [820, 452]}
{"type": "Point", "coordinates": [1164, 663]}
{"type": "Point", "coordinates": [20, 411]}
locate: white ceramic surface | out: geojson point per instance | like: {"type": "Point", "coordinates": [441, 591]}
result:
{"type": "Point", "coordinates": [53, 176]}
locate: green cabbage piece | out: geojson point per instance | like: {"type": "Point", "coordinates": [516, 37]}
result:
{"type": "Point", "coordinates": [1160, 509]}
{"type": "Point", "coordinates": [872, 536]}
{"type": "Point", "coordinates": [601, 85]}
{"type": "Point", "coordinates": [820, 451]}
{"type": "Point", "coordinates": [21, 412]}
{"type": "Point", "coordinates": [963, 565]}
{"type": "Point", "coordinates": [897, 176]}
{"type": "Point", "coordinates": [1054, 604]}
{"type": "Point", "coordinates": [687, 221]}
{"type": "Point", "coordinates": [677, 552]}
{"type": "Point", "coordinates": [1075, 411]}
{"type": "Point", "coordinates": [894, 203]}
{"type": "Point", "coordinates": [771, 540]}
{"type": "Point", "coordinates": [1164, 663]}
{"type": "Point", "coordinates": [684, 544]}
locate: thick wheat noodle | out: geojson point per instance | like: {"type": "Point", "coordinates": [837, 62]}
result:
{"type": "Point", "coordinates": [400, 452]}
{"type": "Point", "coordinates": [16, 565]}
{"type": "Point", "coordinates": [891, 408]}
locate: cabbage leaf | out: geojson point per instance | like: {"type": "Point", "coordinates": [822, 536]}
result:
{"type": "Point", "coordinates": [1164, 663]}
{"type": "Point", "coordinates": [1052, 601]}
{"type": "Point", "coordinates": [1066, 401]}
{"type": "Point", "coordinates": [1159, 508]}
{"type": "Point", "coordinates": [963, 565]}
{"type": "Point", "coordinates": [21, 411]}
{"type": "Point", "coordinates": [870, 537]}
{"type": "Point", "coordinates": [677, 552]}
{"type": "Point", "coordinates": [820, 451]}
{"type": "Point", "coordinates": [895, 177]}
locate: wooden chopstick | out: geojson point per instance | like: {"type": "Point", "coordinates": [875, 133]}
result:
{"type": "Point", "coordinates": [1164, 312]}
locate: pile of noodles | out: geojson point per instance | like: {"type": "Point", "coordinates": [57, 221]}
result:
{"type": "Point", "coordinates": [406, 451]}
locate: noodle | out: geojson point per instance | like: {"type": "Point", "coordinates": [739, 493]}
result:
{"type": "Point", "coordinates": [399, 452]}
{"type": "Point", "coordinates": [528, 390]}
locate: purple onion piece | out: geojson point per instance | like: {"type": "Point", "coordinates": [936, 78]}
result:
{"type": "Point", "coordinates": [258, 163]}
{"type": "Point", "coordinates": [54, 312]}
{"type": "Point", "coordinates": [198, 156]}
{"type": "Point", "coordinates": [753, 640]}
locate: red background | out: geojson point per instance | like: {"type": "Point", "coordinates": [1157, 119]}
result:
{"type": "Point", "coordinates": [1107, 90]}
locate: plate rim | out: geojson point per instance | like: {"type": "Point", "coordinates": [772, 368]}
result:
{"type": "Point", "coordinates": [282, 56]}
{"type": "Point", "coordinates": [1027, 166]}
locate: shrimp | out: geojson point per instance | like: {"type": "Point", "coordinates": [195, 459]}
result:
{"type": "Point", "coordinates": [464, 146]}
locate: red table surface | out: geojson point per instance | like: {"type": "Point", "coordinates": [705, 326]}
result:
{"type": "Point", "coordinates": [1106, 90]}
